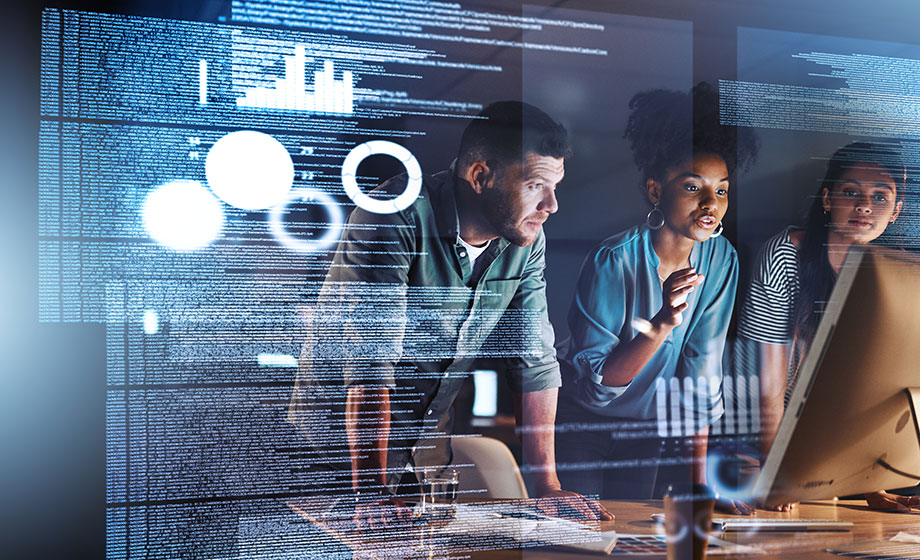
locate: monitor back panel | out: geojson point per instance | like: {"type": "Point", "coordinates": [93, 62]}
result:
{"type": "Point", "coordinates": [849, 407]}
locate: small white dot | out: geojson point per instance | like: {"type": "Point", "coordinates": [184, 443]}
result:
{"type": "Point", "coordinates": [641, 325]}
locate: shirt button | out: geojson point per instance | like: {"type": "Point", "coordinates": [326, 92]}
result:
{"type": "Point", "coordinates": [430, 412]}
{"type": "Point", "coordinates": [462, 253]}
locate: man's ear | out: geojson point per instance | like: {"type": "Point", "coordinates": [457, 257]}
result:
{"type": "Point", "coordinates": [477, 175]}
{"type": "Point", "coordinates": [653, 189]}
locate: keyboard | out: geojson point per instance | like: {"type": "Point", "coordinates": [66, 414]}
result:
{"type": "Point", "coordinates": [754, 524]}
{"type": "Point", "coordinates": [764, 524]}
{"type": "Point", "coordinates": [656, 546]}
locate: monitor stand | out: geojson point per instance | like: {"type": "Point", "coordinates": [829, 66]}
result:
{"type": "Point", "coordinates": [913, 399]}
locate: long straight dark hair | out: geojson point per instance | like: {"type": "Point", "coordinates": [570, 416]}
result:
{"type": "Point", "coordinates": [816, 276]}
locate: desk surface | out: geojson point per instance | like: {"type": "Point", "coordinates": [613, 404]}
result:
{"type": "Point", "coordinates": [634, 517]}
{"type": "Point", "coordinates": [868, 526]}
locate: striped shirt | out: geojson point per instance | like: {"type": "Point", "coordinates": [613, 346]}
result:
{"type": "Point", "coordinates": [768, 312]}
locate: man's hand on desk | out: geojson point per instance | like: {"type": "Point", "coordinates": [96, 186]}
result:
{"type": "Point", "coordinates": [563, 503]}
{"type": "Point", "coordinates": [381, 513]}
{"type": "Point", "coordinates": [892, 502]}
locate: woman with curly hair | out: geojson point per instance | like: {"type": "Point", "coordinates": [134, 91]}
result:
{"type": "Point", "coordinates": [653, 303]}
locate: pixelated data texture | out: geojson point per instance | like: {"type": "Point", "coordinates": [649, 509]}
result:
{"type": "Point", "coordinates": [201, 345]}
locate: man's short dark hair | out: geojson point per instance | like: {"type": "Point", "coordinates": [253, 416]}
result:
{"type": "Point", "coordinates": [505, 131]}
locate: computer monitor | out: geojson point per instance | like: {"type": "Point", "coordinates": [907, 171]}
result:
{"type": "Point", "coordinates": [851, 424]}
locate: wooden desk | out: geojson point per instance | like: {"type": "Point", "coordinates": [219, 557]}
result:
{"type": "Point", "coordinates": [868, 526]}
{"type": "Point", "coordinates": [635, 518]}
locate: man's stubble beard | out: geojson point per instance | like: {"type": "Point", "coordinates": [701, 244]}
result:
{"type": "Point", "coordinates": [500, 213]}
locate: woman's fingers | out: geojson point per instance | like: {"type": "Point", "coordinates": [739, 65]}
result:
{"type": "Point", "coordinates": [675, 291]}
{"type": "Point", "coordinates": [678, 297]}
{"type": "Point", "coordinates": [683, 278]}
{"type": "Point", "coordinates": [683, 289]}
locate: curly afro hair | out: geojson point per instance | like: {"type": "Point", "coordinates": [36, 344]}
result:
{"type": "Point", "coordinates": [667, 127]}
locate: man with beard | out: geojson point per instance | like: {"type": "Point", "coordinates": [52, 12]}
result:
{"type": "Point", "coordinates": [410, 302]}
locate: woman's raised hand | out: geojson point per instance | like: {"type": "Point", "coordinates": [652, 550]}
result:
{"type": "Point", "coordinates": [675, 290]}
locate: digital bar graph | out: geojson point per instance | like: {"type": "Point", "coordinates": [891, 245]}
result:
{"type": "Point", "coordinates": [290, 93]}
{"type": "Point", "coordinates": [676, 403]}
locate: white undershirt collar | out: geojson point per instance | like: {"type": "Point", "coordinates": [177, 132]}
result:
{"type": "Point", "coordinates": [473, 251]}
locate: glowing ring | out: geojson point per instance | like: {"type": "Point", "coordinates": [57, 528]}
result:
{"type": "Point", "coordinates": [330, 238]}
{"type": "Point", "coordinates": [376, 147]}
{"type": "Point", "coordinates": [675, 529]}
{"type": "Point", "coordinates": [743, 493]}
{"type": "Point", "coordinates": [701, 523]}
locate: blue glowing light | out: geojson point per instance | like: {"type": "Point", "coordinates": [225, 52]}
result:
{"type": "Point", "coordinates": [249, 170]}
{"type": "Point", "coordinates": [182, 215]}
{"type": "Point", "coordinates": [732, 473]}
{"type": "Point", "coordinates": [277, 360]}
{"type": "Point", "coordinates": [151, 322]}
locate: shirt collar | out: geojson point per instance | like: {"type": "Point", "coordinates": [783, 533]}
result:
{"type": "Point", "coordinates": [646, 233]}
{"type": "Point", "coordinates": [444, 203]}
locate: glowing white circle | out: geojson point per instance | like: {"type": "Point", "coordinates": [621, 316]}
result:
{"type": "Point", "coordinates": [182, 215]}
{"type": "Point", "coordinates": [334, 229]}
{"type": "Point", "coordinates": [381, 147]}
{"type": "Point", "coordinates": [249, 170]}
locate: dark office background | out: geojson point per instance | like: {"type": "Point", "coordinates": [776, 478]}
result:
{"type": "Point", "coordinates": [52, 413]}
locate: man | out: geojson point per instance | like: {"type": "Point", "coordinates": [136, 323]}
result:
{"type": "Point", "coordinates": [410, 302]}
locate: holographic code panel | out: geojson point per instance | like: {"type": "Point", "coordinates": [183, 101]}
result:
{"type": "Point", "coordinates": [130, 105]}
{"type": "Point", "coordinates": [799, 81]}
{"type": "Point", "coordinates": [798, 87]}
{"type": "Point", "coordinates": [193, 182]}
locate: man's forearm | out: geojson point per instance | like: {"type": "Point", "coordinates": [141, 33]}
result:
{"type": "Point", "coordinates": [537, 417]}
{"type": "Point", "coordinates": [367, 423]}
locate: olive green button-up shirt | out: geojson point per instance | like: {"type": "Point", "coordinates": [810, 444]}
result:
{"type": "Point", "coordinates": [402, 307]}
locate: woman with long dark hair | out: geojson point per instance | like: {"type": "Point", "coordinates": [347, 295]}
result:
{"type": "Point", "coordinates": [653, 303]}
{"type": "Point", "coordinates": [861, 195]}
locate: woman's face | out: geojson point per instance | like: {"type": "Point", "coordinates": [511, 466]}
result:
{"type": "Point", "coordinates": [693, 196]}
{"type": "Point", "coordinates": [862, 203]}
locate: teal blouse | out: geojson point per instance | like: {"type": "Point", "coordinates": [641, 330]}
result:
{"type": "Point", "coordinates": [619, 283]}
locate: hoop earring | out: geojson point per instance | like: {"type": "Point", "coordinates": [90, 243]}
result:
{"type": "Point", "coordinates": [655, 218]}
{"type": "Point", "coordinates": [717, 232]}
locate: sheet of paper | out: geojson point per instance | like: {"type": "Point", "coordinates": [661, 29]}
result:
{"type": "Point", "coordinates": [904, 536]}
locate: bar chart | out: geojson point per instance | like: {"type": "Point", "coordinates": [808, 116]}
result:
{"type": "Point", "coordinates": [290, 93]}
